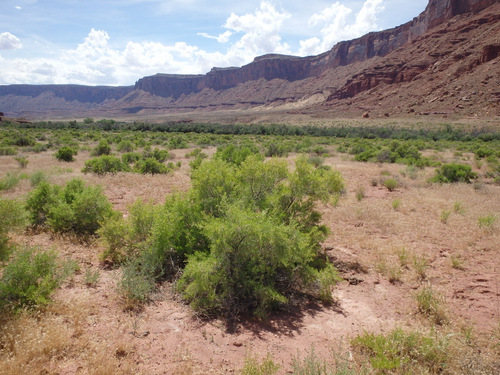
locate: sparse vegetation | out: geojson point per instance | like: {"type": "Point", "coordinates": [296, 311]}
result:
{"type": "Point", "coordinates": [186, 246]}
{"type": "Point", "coordinates": [30, 278]}
{"type": "Point", "coordinates": [66, 154]}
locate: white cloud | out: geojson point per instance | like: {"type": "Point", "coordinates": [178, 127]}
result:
{"type": "Point", "coordinates": [335, 26]}
{"type": "Point", "coordinates": [9, 41]}
{"type": "Point", "coordinates": [261, 31]}
{"type": "Point", "coordinates": [222, 38]}
{"type": "Point", "coordinates": [97, 61]}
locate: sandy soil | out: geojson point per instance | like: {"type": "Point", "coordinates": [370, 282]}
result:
{"type": "Point", "coordinates": [375, 246]}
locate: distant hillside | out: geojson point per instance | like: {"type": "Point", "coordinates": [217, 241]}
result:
{"type": "Point", "coordinates": [445, 61]}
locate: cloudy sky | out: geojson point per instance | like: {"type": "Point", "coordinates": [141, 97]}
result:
{"type": "Point", "coordinates": [116, 42]}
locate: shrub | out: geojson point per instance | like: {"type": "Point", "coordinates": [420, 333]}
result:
{"type": "Point", "coordinates": [274, 149]}
{"type": "Point", "coordinates": [255, 367]}
{"type": "Point", "coordinates": [247, 237]}
{"type": "Point", "coordinates": [157, 154]}
{"type": "Point", "coordinates": [151, 166]}
{"type": "Point", "coordinates": [454, 173]}
{"type": "Point", "coordinates": [105, 164]}
{"type": "Point", "coordinates": [38, 177]}
{"type": "Point", "coordinates": [235, 154]}
{"type": "Point", "coordinates": [250, 267]}
{"type": "Point", "coordinates": [30, 278]}
{"type": "Point", "coordinates": [131, 157]}
{"type": "Point", "coordinates": [123, 237]}
{"type": "Point", "coordinates": [487, 221]}
{"type": "Point", "coordinates": [10, 181]}
{"type": "Point", "coordinates": [391, 184]}
{"type": "Point", "coordinates": [403, 352]}
{"type": "Point", "coordinates": [12, 216]}
{"type": "Point", "coordinates": [22, 161]}
{"type": "Point", "coordinates": [429, 303]}
{"type": "Point", "coordinates": [125, 146]}
{"type": "Point", "coordinates": [74, 208]}
{"type": "Point", "coordinates": [66, 154]}
{"type": "Point", "coordinates": [102, 148]}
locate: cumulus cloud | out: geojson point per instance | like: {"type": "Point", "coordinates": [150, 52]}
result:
{"type": "Point", "coordinates": [9, 41]}
{"type": "Point", "coordinates": [336, 25]}
{"type": "Point", "coordinates": [97, 61]}
{"type": "Point", "coordinates": [260, 31]}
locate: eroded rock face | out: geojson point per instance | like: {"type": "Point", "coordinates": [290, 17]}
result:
{"type": "Point", "coordinates": [348, 69]}
{"type": "Point", "coordinates": [294, 68]}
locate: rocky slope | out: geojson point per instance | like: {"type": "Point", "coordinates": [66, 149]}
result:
{"type": "Point", "coordinates": [451, 41]}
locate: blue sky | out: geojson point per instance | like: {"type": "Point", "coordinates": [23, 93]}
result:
{"type": "Point", "coordinates": [116, 42]}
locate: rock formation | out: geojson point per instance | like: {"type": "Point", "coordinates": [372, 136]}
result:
{"type": "Point", "coordinates": [438, 40]}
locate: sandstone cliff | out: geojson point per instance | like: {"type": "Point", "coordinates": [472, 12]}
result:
{"type": "Point", "coordinates": [447, 37]}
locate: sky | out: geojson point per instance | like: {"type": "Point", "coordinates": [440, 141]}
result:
{"type": "Point", "coordinates": [117, 42]}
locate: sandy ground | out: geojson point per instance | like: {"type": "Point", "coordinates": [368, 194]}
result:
{"type": "Point", "coordinates": [385, 254]}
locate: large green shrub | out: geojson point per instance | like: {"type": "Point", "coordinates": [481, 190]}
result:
{"type": "Point", "coordinates": [105, 164]}
{"type": "Point", "coordinates": [102, 148]}
{"type": "Point", "coordinates": [66, 154]}
{"type": "Point", "coordinates": [454, 173]}
{"type": "Point", "coordinates": [254, 264]}
{"type": "Point", "coordinates": [246, 237]}
{"type": "Point", "coordinates": [73, 208]}
{"type": "Point", "coordinates": [151, 166]}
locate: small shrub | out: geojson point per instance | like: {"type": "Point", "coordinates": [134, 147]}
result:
{"type": "Point", "coordinates": [38, 177]}
{"type": "Point", "coordinates": [102, 148]}
{"type": "Point", "coordinates": [404, 258]}
{"type": "Point", "coordinates": [22, 161]}
{"type": "Point", "coordinates": [360, 194]}
{"type": "Point", "coordinates": [105, 164]}
{"type": "Point", "coordinates": [401, 352]}
{"type": "Point", "coordinates": [486, 222]}
{"type": "Point", "coordinates": [420, 264]}
{"type": "Point", "coordinates": [30, 278]}
{"type": "Point", "coordinates": [458, 208]}
{"type": "Point", "coordinates": [395, 204]}
{"type": "Point", "coordinates": [444, 216]}
{"type": "Point", "coordinates": [457, 262]}
{"type": "Point", "coordinates": [131, 157]}
{"type": "Point", "coordinates": [74, 208]}
{"type": "Point", "coordinates": [66, 154]}
{"type": "Point", "coordinates": [91, 278]}
{"type": "Point", "coordinates": [10, 181]}
{"type": "Point", "coordinates": [253, 366]}
{"type": "Point", "coordinates": [391, 184]}
{"type": "Point", "coordinates": [449, 173]}
{"type": "Point", "coordinates": [151, 166]}
{"type": "Point", "coordinates": [12, 216]}
{"type": "Point", "coordinates": [429, 303]}
{"type": "Point", "coordinates": [125, 146]}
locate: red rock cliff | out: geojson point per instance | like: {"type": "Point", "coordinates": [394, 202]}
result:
{"type": "Point", "coordinates": [295, 68]}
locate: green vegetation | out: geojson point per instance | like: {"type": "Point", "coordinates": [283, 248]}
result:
{"type": "Point", "coordinates": [255, 367]}
{"type": "Point", "coordinates": [400, 352]}
{"type": "Point", "coordinates": [10, 180]}
{"type": "Point", "coordinates": [66, 154]}
{"type": "Point", "coordinates": [454, 173]}
{"type": "Point", "coordinates": [12, 216]}
{"type": "Point", "coordinates": [241, 235]}
{"type": "Point", "coordinates": [73, 208]}
{"type": "Point", "coordinates": [105, 164]}
{"type": "Point", "coordinates": [30, 278]}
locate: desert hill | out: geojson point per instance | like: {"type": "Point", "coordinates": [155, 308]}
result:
{"type": "Point", "coordinates": [443, 62]}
